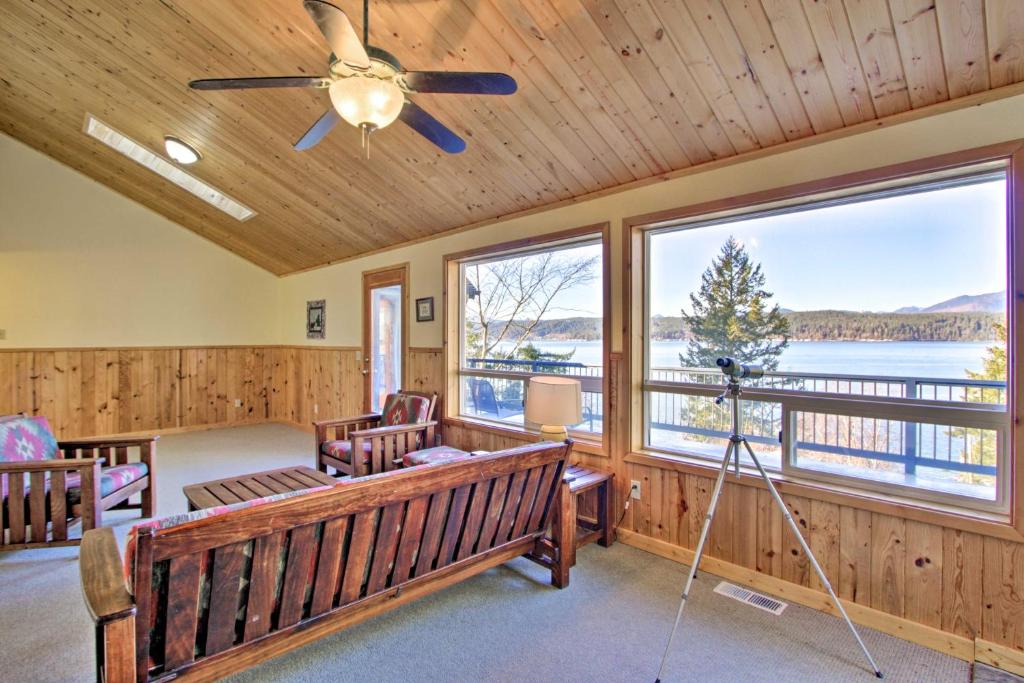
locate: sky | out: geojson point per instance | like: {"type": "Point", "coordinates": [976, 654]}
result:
{"type": "Point", "coordinates": [583, 301]}
{"type": "Point", "coordinates": [878, 255]}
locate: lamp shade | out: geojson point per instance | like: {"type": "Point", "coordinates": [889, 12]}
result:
{"type": "Point", "coordinates": [553, 400]}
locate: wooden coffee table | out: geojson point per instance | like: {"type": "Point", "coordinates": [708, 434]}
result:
{"type": "Point", "coordinates": [256, 485]}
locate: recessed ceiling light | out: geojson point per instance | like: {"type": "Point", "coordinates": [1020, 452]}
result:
{"type": "Point", "coordinates": [181, 151]}
{"type": "Point", "coordinates": [165, 169]}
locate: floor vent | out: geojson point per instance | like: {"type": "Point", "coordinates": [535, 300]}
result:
{"type": "Point", "coordinates": [757, 600]}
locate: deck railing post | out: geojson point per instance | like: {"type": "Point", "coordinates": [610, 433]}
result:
{"type": "Point", "coordinates": [910, 431]}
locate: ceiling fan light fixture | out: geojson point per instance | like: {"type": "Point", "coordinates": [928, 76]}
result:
{"type": "Point", "coordinates": [180, 151]}
{"type": "Point", "coordinates": [366, 101]}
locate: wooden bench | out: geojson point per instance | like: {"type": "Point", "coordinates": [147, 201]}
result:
{"type": "Point", "coordinates": [357, 549]}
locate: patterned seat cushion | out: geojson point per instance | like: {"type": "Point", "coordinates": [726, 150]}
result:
{"type": "Point", "coordinates": [111, 479]}
{"type": "Point", "coordinates": [433, 456]}
{"type": "Point", "coordinates": [342, 450]}
{"type": "Point", "coordinates": [404, 409]}
{"type": "Point", "coordinates": [24, 439]}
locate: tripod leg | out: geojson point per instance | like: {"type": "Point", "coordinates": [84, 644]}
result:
{"type": "Point", "coordinates": [810, 556]}
{"type": "Point", "coordinates": [729, 452]}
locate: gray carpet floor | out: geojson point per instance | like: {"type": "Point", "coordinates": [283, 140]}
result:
{"type": "Point", "coordinates": [507, 624]}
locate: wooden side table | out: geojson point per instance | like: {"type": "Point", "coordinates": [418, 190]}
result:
{"type": "Point", "coordinates": [582, 479]}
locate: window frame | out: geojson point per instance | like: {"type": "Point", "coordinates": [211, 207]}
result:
{"type": "Point", "coordinates": [1007, 511]}
{"type": "Point", "coordinates": [454, 321]}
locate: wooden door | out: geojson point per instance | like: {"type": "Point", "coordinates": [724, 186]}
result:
{"type": "Point", "coordinates": [385, 333]}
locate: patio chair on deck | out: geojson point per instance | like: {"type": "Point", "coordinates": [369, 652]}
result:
{"type": "Point", "coordinates": [486, 403]}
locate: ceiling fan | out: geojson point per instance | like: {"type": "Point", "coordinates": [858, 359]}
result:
{"type": "Point", "coordinates": [367, 85]}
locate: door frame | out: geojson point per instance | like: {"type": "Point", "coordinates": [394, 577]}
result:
{"type": "Point", "coordinates": [383, 277]}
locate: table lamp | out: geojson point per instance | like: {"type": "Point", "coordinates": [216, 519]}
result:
{"type": "Point", "coordinates": [554, 402]}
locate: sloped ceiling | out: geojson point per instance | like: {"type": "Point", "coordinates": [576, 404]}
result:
{"type": "Point", "coordinates": [610, 91]}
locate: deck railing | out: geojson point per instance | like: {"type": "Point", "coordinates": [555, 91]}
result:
{"type": "Point", "coordinates": [508, 380]}
{"type": "Point", "coordinates": [873, 439]}
{"type": "Point", "coordinates": [687, 410]}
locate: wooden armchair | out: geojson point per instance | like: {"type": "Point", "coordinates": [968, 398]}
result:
{"type": "Point", "coordinates": [405, 424]}
{"type": "Point", "coordinates": [45, 484]}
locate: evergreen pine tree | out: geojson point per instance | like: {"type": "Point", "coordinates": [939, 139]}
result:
{"type": "Point", "coordinates": [980, 447]}
{"type": "Point", "coordinates": [732, 315]}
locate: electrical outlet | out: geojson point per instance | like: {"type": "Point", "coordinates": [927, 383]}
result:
{"type": "Point", "coordinates": [238, 403]}
{"type": "Point", "coordinates": [316, 408]}
{"type": "Point", "coordinates": [3, 334]}
{"type": "Point", "coordinates": [634, 489]}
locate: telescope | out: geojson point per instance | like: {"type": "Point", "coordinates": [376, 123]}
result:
{"type": "Point", "coordinates": [737, 370]}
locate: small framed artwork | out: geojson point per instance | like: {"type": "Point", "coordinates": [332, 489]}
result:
{"type": "Point", "coordinates": [425, 309]}
{"type": "Point", "coordinates": [316, 319]}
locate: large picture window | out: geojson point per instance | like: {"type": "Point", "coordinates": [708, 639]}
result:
{"type": "Point", "coordinates": [879, 314]}
{"type": "Point", "coordinates": [529, 311]}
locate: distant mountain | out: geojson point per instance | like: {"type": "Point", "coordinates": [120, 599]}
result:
{"type": "Point", "coordinates": [993, 302]}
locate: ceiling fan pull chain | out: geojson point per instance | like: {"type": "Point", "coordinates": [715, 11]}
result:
{"type": "Point", "coordinates": [366, 22]}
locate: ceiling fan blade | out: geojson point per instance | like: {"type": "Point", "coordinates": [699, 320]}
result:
{"type": "Point", "coordinates": [338, 31]}
{"type": "Point", "coordinates": [430, 128]}
{"type": "Point", "coordinates": [460, 82]}
{"type": "Point", "coordinates": [264, 82]}
{"type": "Point", "coordinates": [318, 130]}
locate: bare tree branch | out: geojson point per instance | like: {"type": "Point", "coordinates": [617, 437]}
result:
{"type": "Point", "coordinates": [514, 295]}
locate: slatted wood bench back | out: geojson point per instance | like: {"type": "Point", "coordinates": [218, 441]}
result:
{"type": "Point", "coordinates": [249, 580]}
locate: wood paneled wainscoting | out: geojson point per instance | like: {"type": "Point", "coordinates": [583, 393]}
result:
{"type": "Point", "coordinates": [941, 585]}
{"type": "Point", "coordinates": [309, 383]}
{"type": "Point", "coordinates": [106, 391]}
{"type": "Point", "coordinates": [94, 392]}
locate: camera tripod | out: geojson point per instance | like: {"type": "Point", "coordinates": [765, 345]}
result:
{"type": "Point", "coordinates": [732, 454]}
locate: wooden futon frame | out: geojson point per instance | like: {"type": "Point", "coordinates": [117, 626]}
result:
{"type": "Point", "coordinates": [213, 596]}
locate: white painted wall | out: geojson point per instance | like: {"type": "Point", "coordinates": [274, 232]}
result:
{"type": "Point", "coordinates": [82, 266]}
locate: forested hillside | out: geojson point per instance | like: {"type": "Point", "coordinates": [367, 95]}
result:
{"type": "Point", "coordinates": [846, 325]}
{"type": "Point", "coordinates": [812, 326]}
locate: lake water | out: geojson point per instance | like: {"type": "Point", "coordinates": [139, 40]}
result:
{"type": "Point", "coordinates": [906, 359]}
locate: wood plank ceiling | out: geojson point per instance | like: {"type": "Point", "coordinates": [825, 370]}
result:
{"type": "Point", "coordinates": [610, 91]}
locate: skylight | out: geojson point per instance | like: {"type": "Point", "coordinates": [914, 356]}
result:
{"type": "Point", "coordinates": [136, 152]}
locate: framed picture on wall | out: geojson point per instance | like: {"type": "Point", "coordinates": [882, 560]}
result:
{"type": "Point", "coordinates": [316, 319]}
{"type": "Point", "coordinates": [425, 309]}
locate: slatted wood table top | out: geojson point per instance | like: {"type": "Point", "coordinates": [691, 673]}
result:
{"type": "Point", "coordinates": [255, 485]}
{"type": "Point", "coordinates": [582, 478]}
